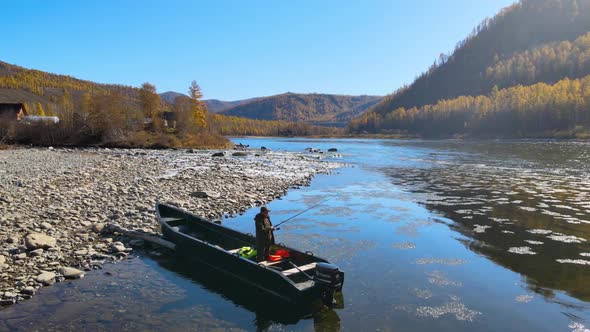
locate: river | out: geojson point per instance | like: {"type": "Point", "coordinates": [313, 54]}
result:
{"type": "Point", "coordinates": [445, 235]}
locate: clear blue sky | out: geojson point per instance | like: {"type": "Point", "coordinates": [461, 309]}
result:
{"type": "Point", "coordinates": [238, 49]}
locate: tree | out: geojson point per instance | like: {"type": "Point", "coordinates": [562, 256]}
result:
{"type": "Point", "coordinates": [40, 110]}
{"type": "Point", "coordinates": [150, 104]}
{"type": "Point", "coordinates": [198, 106]}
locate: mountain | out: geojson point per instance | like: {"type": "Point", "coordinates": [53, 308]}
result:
{"type": "Point", "coordinates": [169, 96]}
{"type": "Point", "coordinates": [530, 42]}
{"type": "Point", "coordinates": [313, 108]}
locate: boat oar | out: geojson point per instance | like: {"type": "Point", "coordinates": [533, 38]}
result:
{"type": "Point", "coordinates": [300, 213]}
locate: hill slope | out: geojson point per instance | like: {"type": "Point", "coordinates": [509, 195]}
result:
{"type": "Point", "coordinates": [517, 28]}
{"type": "Point", "coordinates": [309, 108]}
{"type": "Point", "coordinates": [532, 41]}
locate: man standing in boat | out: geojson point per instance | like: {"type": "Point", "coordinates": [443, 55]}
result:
{"type": "Point", "coordinates": [264, 234]}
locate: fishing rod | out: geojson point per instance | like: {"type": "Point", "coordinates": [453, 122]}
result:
{"type": "Point", "coordinates": [302, 212]}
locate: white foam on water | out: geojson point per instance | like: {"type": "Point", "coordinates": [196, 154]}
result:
{"type": "Point", "coordinates": [524, 298]}
{"type": "Point", "coordinates": [539, 231]}
{"type": "Point", "coordinates": [527, 208]}
{"type": "Point", "coordinates": [578, 327]}
{"type": "Point", "coordinates": [565, 238]}
{"type": "Point", "coordinates": [585, 254]}
{"type": "Point", "coordinates": [521, 250]}
{"type": "Point", "coordinates": [481, 228]}
{"type": "Point", "coordinates": [573, 261]}
{"type": "Point", "coordinates": [533, 242]}
{"type": "Point", "coordinates": [507, 232]}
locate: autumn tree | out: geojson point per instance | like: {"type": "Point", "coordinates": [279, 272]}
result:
{"type": "Point", "coordinates": [39, 109]}
{"type": "Point", "coordinates": [198, 106]}
{"type": "Point", "coordinates": [150, 104]}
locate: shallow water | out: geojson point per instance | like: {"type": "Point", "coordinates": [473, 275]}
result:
{"type": "Point", "coordinates": [433, 235]}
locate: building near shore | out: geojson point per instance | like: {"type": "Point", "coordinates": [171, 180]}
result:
{"type": "Point", "coordinates": [37, 119]}
{"type": "Point", "coordinates": [12, 111]}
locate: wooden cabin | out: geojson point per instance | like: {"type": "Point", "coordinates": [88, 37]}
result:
{"type": "Point", "coordinates": [12, 111]}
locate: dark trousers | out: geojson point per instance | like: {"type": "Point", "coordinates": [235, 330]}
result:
{"type": "Point", "coordinates": [262, 249]}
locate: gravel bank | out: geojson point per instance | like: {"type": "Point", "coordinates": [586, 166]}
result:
{"type": "Point", "coordinates": [54, 203]}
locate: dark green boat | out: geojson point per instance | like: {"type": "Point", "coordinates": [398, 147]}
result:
{"type": "Point", "coordinates": [298, 278]}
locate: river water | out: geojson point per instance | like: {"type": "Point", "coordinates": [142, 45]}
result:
{"type": "Point", "coordinates": [433, 236]}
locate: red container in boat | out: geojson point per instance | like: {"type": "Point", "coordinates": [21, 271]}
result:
{"type": "Point", "coordinates": [274, 258]}
{"type": "Point", "coordinates": [283, 253]}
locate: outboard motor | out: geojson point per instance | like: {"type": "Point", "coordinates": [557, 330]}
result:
{"type": "Point", "coordinates": [330, 279]}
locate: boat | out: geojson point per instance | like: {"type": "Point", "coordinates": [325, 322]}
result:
{"type": "Point", "coordinates": [295, 276]}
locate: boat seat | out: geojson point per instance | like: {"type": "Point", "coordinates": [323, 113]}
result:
{"type": "Point", "coordinates": [299, 269]}
{"type": "Point", "coordinates": [269, 263]}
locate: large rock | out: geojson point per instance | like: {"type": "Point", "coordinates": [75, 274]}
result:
{"type": "Point", "coordinates": [70, 273]}
{"type": "Point", "coordinates": [2, 259]}
{"type": "Point", "coordinates": [240, 154]}
{"type": "Point", "coordinates": [218, 154]}
{"type": "Point", "coordinates": [39, 241]}
{"type": "Point", "coordinates": [46, 278]}
{"type": "Point", "coordinates": [205, 194]}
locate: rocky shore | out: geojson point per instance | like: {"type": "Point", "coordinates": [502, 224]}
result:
{"type": "Point", "coordinates": [54, 203]}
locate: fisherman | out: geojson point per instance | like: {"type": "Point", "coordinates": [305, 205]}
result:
{"type": "Point", "coordinates": [264, 234]}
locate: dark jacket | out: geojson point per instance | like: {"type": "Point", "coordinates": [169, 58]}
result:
{"type": "Point", "coordinates": [264, 232]}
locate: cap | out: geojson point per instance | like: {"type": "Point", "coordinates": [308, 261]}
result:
{"type": "Point", "coordinates": [264, 209]}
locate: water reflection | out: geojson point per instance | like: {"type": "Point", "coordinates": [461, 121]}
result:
{"type": "Point", "coordinates": [268, 310]}
{"type": "Point", "coordinates": [527, 213]}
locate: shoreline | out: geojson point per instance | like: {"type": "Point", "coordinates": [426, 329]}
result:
{"type": "Point", "coordinates": [54, 203]}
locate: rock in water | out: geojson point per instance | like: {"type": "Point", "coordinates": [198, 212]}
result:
{"type": "Point", "coordinates": [333, 150]}
{"type": "Point", "coordinates": [218, 154]}
{"type": "Point", "coordinates": [46, 278]}
{"type": "Point", "coordinates": [71, 273]}
{"type": "Point", "coordinates": [39, 241]}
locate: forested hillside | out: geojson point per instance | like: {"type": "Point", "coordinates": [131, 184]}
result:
{"type": "Point", "coordinates": [117, 115]}
{"type": "Point", "coordinates": [532, 41]}
{"type": "Point", "coordinates": [308, 108]}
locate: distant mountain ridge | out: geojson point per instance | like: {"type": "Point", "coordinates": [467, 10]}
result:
{"type": "Point", "coordinates": [325, 109]}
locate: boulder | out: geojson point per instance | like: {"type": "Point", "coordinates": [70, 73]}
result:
{"type": "Point", "coordinates": [2, 259]}
{"type": "Point", "coordinates": [39, 241]}
{"type": "Point", "coordinates": [205, 194]}
{"type": "Point", "coordinates": [332, 150]}
{"type": "Point", "coordinates": [218, 154]}
{"type": "Point", "coordinates": [29, 290]}
{"type": "Point", "coordinates": [240, 154]}
{"type": "Point", "coordinates": [70, 273]}
{"type": "Point", "coordinates": [46, 278]}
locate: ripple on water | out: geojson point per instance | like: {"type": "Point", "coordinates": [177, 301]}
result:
{"type": "Point", "coordinates": [458, 309]}
{"type": "Point", "coordinates": [440, 279]}
{"type": "Point", "coordinates": [404, 245]}
{"type": "Point", "coordinates": [443, 261]}
{"type": "Point", "coordinates": [424, 294]}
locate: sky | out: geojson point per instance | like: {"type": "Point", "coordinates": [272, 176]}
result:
{"type": "Point", "coordinates": [237, 49]}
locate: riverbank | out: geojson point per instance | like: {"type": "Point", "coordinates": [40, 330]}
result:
{"type": "Point", "coordinates": [54, 203]}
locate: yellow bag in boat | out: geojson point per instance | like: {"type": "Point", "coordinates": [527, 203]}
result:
{"type": "Point", "coordinates": [247, 252]}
